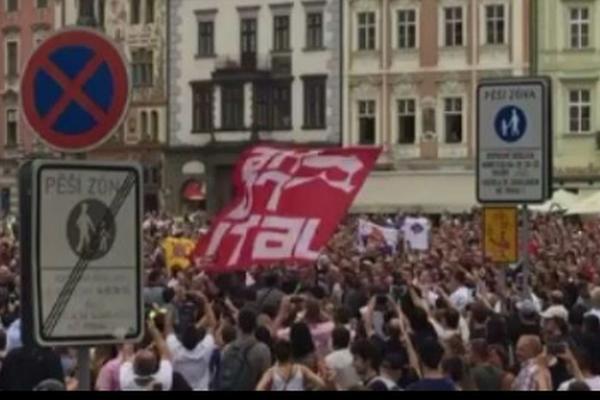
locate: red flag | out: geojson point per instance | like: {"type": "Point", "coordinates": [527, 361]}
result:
{"type": "Point", "coordinates": [289, 202]}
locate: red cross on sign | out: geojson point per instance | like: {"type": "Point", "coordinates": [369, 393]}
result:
{"type": "Point", "coordinates": [76, 90]}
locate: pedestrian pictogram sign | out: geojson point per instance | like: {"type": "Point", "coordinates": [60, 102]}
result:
{"type": "Point", "coordinates": [84, 249]}
{"type": "Point", "coordinates": [501, 234]}
{"type": "Point", "coordinates": [75, 90]}
{"type": "Point", "coordinates": [514, 140]}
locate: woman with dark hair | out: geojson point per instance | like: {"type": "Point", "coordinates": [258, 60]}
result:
{"type": "Point", "coordinates": [303, 347]}
{"type": "Point", "coordinates": [287, 375]}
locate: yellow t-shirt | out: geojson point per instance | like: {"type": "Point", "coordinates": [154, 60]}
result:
{"type": "Point", "coordinates": [177, 251]}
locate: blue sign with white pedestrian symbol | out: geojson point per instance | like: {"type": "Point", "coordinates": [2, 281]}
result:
{"type": "Point", "coordinates": [510, 124]}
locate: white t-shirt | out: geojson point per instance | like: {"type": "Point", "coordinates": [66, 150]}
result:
{"type": "Point", "coordinates": [193, 365]}
{"type": "Point", "coordinates": [416, 232]}
{"type": "Point", "coordinates": [340, 361]}
{"type": "Point", "coordinates": [593, 383]}
{"type": "Point", "coordinates": [164, 376]}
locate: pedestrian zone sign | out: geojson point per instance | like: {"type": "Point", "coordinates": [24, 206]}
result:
{"type": "Point", "coordinates": [514, 146]}
{"type": "Point", "coordinates": [85, 253]}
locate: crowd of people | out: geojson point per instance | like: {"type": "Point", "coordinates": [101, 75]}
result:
{"type": "Point", "coordinates": [365, 316]}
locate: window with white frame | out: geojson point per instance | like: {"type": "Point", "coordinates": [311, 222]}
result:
{"type": "Point", "coordinates": [366, 31]}
{"type": "Point", "coordinates": [406, 121]}
{"type": "Point", "coordinates": [495, 24]}
{"type": "Point", "coordinates": [366, 122]}
{"type": "Point", "coordinates": [12, 58]}
{"type": "Point", "coordinates": [580, 110]}
{"type": "Point", "coordinates": [579, 27]}
{"type": "Point", "coordinates": [407, 29]}
{"type": "Point", "coordinates": [453, 26]}
{"type": "Point", "coordinates": [453, 121]}
{"type": "Point", "coordinates": [12, 6]}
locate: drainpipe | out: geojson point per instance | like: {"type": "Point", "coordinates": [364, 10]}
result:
{"type": "Point", "coordinates": [533, 38]}
{"type": "Point", "coordinates": [474, 63]}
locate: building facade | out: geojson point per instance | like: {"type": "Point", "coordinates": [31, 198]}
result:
{"type": "Point", "coordinates": [411, 73]}
{"type": "Point", "coordinates": [568, 50]}
{"type": "Point", "coordinates": [23, 25]}
{"type": "Point", "coordinates": [139, 27]}
{"type": "Point", "coordinates": [243, 71]}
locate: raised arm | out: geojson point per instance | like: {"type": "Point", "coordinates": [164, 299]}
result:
{"type": "Point", "coordinates": [368, 317]}
{"type": "Point", "coordinates": [413, 358]}
{"type": "Point", "coordinates": [208, 321]}
{"type": "Point", "coordinates": [159, 341]}
{"type": "Point", "coordinates": [284, 309]}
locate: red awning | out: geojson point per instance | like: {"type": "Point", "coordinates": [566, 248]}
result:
{"type": "Point", "coordinates": [194, 191]}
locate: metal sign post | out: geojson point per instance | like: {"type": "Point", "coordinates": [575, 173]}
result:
{"type": "Point", "coordinates": [514, 149]}
{"type": "Point", "coordinates": [84, 370]}
{"type": "Point", "coordinates": [84, 284]}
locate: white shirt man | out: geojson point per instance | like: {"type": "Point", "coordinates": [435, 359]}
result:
{"type": "Point", "coordinates": [130, 381]}
{"type": "Point", "coordinates": [193, 364]}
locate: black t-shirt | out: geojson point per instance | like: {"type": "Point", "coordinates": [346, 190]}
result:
{"type": "Point", "coordinates": [24, 368]}
{"type": "Point", "coordinates": [559, 373]}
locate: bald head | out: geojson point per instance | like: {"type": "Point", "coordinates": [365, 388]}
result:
{"type": "Point", "coordinates": [145, 363]}
{"type": "Point", "coordinates": [528, 347]}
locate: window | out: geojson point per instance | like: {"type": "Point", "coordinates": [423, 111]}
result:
{"type": "Point", "coordinates": [406, 121]}
{"type": "Point", "coordinates": [282, 105]}
{"type": "Point", "coordinates": [87, 13]}
{"type": "Point", "coordinates": [12, 6]}
{"type": "Point", "coordinates": [149, 11]}
{"type": "Point", "coordinates": [314, 30]}
{"type": "Point", "coordinates": [262, 105]}
{"type": "Point", "coordinates": [41, 3]}
{"type": "Point", "coordinates": [154, 125]}
{"type": "Point", "coordinates": [144, 123]}
{"type": "Point", "coordinates": [281, 33]}
{"type": "Point", "coordinates": [143, 68]}
{"type": "Point", "coordinates": [5, 200]}
{"type": "Point", "coordinates": [580, 111]}
{"type": "Point", "coordinates": [366, 122]}
{"type": "Point", "coordinates": [366, 31]}
{"type": "Point", "coordinates": [453, 24]}
{"type": "Point", "coordinates": [248, 44]}
{"type": "Point", "coordinates": [273, 105]}
{"type": "Point", "coordinates": [453, 120]}
{"type": "Point", "coordinates": [232, 106]}
{"type": "Point", "coordinates": [579, 27]}
{"type": "Point", "coordinates": [11, 128]}
{"type": "Point", "coordinates": [494, 24]}
{"type": "Point", "coordinates": [202, 108]}
{"type": "Point", "coordinates": [314, 102]}
{"type": "Point", "coordinates": [136, 11]}
{"type": "Point", "coordinates": [407, 29]}
{"type": "Point", "coordinates": [12, 59]}
{"type": "Point", "coordinates": [206, 39]}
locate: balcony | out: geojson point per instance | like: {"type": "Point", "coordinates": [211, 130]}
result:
{"type": "Point", "coordinates": [241, 68]}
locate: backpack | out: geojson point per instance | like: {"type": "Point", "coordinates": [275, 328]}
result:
{"type": "Point", "coordinates": [235, 372]}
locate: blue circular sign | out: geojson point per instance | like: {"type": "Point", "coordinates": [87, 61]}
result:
{"type": "Point", "coordinates": [510, 124]}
